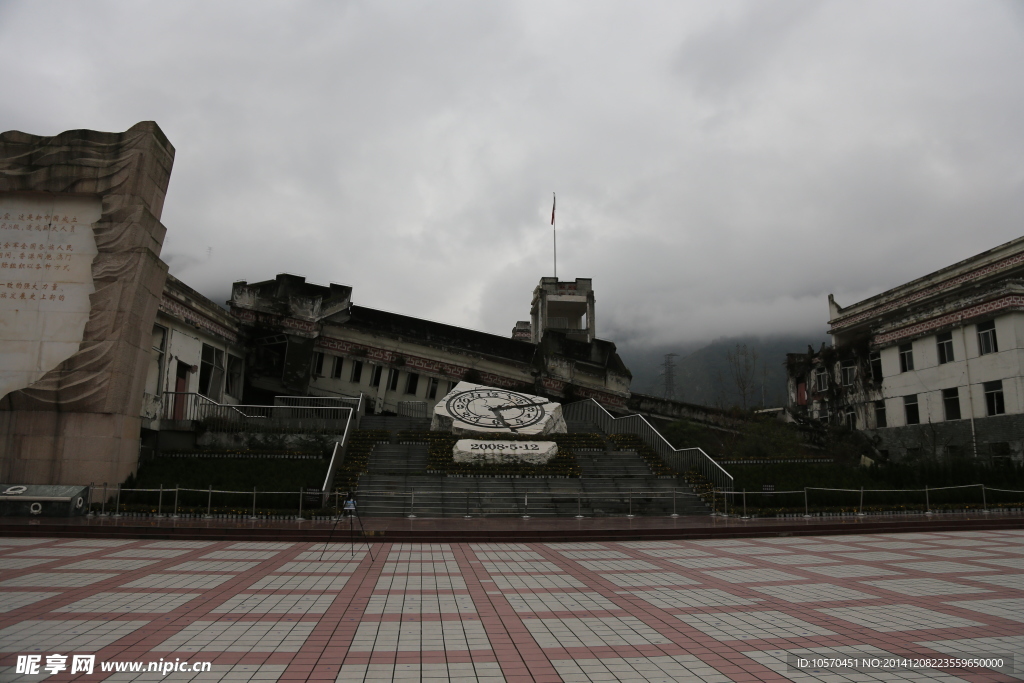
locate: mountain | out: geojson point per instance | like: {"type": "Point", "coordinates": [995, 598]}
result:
{"type": "Point", "coordinates": [706, 376]}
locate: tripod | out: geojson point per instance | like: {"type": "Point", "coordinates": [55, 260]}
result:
{"type": "Point", "coordinates": [350, 506]}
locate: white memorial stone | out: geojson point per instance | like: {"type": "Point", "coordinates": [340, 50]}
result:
{"type": "Point", "coordinates": [476, 409]}
{"type": "Point", "coordinates": [480, 452]}
{"type": "Point", "coordinates": [46, 251]}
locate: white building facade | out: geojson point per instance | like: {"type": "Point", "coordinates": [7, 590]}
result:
{"type": "Point", "coordinates": [933, 367]}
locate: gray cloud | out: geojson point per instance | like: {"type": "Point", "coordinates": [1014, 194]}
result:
{"type": "Point", "coordinates": [721, 167]}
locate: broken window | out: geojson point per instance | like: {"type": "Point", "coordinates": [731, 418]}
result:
{"type": "Point", "coordinates": [412, 383]}
{"type": "Point", "coordinates": [211, 372]}
{"type": "Point", "coordinates": [158, 347]}
{"type": "Point", "coordinates": [432, 388]}
{"type": "Point", "coordinates": [951, 403]}
{"type": "Point", "coordinates": [848, 372]}
{"type": "Point", "coordinates": [233, 382]}
{"type": "Point", "coordinates": [393, 379]}
{"type": "Point", "coordinates": [906, 357]}
{"type": "Point", "coordinates": [357, 371]}
{"type": "Point", "coordinates": [823, 414]}
{"type": "Point", "coordinates": [911, 410]}
{"type": "Point", "coordinates": [875, 359]}
{"type": "Point", "coordinates": [318, 364]}
{"type": "Point", "coordinates": [987, 338]}
{"type": "Point", "coordinates": [378, 370]}
{"type": "Point", "coordinates": [820, 379]}
{"type": "Point", "coordinates": [880, 420]}
{"type": "Point", "coordinates": [849, 418]}
{"type": "Point", "coordinates": [994, 397]}
{"type": "Point", "coordinates": [945, 344]}
{"type": "Point", "coordinates": [339, 364]}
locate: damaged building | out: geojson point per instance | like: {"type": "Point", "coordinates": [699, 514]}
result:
{"type": "Point", "coordinates": [307, 339]}
{"type": "Point", "coordinates": [931, 368]}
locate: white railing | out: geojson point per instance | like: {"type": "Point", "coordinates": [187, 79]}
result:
{"type": "Point", "coordinates": [182, 406]}
{"type": "Point", "coordinates": [680, 459]}
{"type": "Point", "coordinates": [318, 401]}
{"type": "Point", "coordinates": [412, 408]}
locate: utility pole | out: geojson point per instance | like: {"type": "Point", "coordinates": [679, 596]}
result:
{"type": "Point", "coordinates": [668, 375]}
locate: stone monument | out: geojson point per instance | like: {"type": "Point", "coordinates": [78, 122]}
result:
{"type": "Point", "coordinates": [471, 409]}
{"type": "Point", "coordinates": [80, 282]}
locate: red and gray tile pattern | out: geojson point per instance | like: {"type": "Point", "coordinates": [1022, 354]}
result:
{"type": "Point", "coordinates": [710, 610]}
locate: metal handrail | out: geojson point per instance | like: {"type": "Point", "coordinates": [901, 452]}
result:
{"type": "Point", "coordinates": [315, 419]}
{"type": "Point", "coordinates": [680, 459]}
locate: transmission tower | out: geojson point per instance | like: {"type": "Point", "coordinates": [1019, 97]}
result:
{"type": "Point", "coordinates": [668, 375]}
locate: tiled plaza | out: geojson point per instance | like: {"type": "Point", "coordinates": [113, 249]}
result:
{"type": "Point", "coordinates": [707, 610]}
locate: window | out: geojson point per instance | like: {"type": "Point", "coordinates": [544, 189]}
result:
{"type": "Point", "coordinates": [906, 357]}
{"type": "Point", "coordinates": [987, 338]}
{"type": "Point", "coordinates": [432, 389]}
{"type": "Point", "coordinates": [375, 375]}
{"type": "Point", "coordinates": [880, 414]}
{"type": "Point", "coordinates": [945, 343]}
{"type": "Point", "coordinates": [158, 346]}
{"type": "Point", "coordinates": [339, 363]}
{"type": "Point", "coordinates": [211, 372]}
{"type": "Point", "coordinates": [910, 408]}
{"type": "Point", "coordinates": [233, 385]}
{"type": "Point", "coordinates": [848, 371]}
{"type": "Point", "coordinates": [318, 364]}
{"type": "Point", "coordinates": [412, 383]}
{"type": "Point", "coordinates": [999, 449]}
{"type": "Point", "coordinates": [875, 359]}
{"type": "Point", "coordinates": [994, 397]}
{"type": "Point", "coordinates": [823, 414]}
{"type": "Point", "coordinates": [801, 394]}
{"type": "Point", "coordinates": [820, 380]}
{"type": "Point", "coordinates": [951, 403]}
{"type": "Point", "coordinates": [849, 418]}
{"type": "Point", "coordinates": [393, 379]}
{"type": "Point", "coordinates": [357, 371]}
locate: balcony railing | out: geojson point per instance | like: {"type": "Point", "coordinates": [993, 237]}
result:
{"type": "Point", "coordinates": [680, 459]}
{"type": "Point", "coordinates": [315, 419]}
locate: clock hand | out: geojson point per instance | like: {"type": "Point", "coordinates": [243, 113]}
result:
{"type": "Point", "coordinates": [521, 405]}
{"type": "Point", "coordinates": [499, 416]}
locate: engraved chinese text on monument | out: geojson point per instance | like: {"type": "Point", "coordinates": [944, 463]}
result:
{"type": "Point", "coordinates": [47, 248]}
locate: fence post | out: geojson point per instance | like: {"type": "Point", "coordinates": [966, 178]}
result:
{"type": "Point", "coordinates": [630, 504]}
{"type": "Point", "coordinates": [526, 506]}
{"type": "Point", "coordinates": [725, 501]}
{"type": "Point", "coordinates": [927, 504]}
{"type": "Point", "coordinates": [103, 503]}
{"type": "Point", "coordinates": [674, 503]}
{"type": "Point", "coordinates": [117, 505]}
{"type": "Point", "coordinates": [984, 503]}
{"type": "Point", "coordinates": [209, 501]}
{"type": "Point", "coordinates": [160, 502]}
{"type": "Point", "coordinates": [713, 506]}
{"type": "Point", "coordinates": [807, 511]}
{"type": "Point", "coordinates": [175, 515]}
{"type": "Point", "coordinates": [253, 516]}
{"type": "Point", "coordinates": [299, 517]}
{"type": "Point", "coordinates": [412, 506]}
{"type": "Point", "coordinates": [92, 485]}
{"type": "Point", "coordinates": [579, 505]}
{"type": "Point", "coordinates": [745, 504]}
{"type": "Point", "coordinates": [468, 516]}
{"type": "Point", "coordinates": [860, 510]}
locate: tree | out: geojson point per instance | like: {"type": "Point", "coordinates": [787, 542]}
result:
{"type": "Point", "coordinates": [744, 371]}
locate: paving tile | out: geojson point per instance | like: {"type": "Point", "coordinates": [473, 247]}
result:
{"type": "Point", "coordinates": [649, 579]}
{"type": "Point", "coordinates": [753, 576]}
{"type": "Point", "coordinates": [651, 669]}
{"type": "Point", "coordinates": [762, 625]}
{"type": "Point", "coordinates": [1006, 609]}
{"type": "Point", "coordinates": [813, 592]}
{"type": "Point", "coordinates": [238, 636]}
{"type": "Point", "coordinates": [560, 602]}
{"type": "Point", "coordinates": [692, 597]}
{"type": "Point", "coordinates": [418, 603]}
{"type": "Point", "coordinates": [892, 618]}
{"type": "Point", "coordinates": [179, 581]}
{"type": "Point", "coordinates": [419, 636]}
{"type": "Point", "coordinates": [520, 582]}
{"type": "Point", "coordinates": [941, 567]}
{"type": "Point", "coordinates": [65, 635]}
{"type": "Point", "coordinates": [463, 672]}
{"type": "Point", "coordinates": [130, 603]}
{"type": "Point", "coordinates": [846, 571]}
{"type": "Point", "coordinates": [919, 587]}
{"type": "Point", "coordinates": [11, 600]}
{"type": "Point", "coordinates": [593, 632]}
{"type": "Point", "coordinates": [69, 580]}
{"type": "Point", "coordinates": [275, 603]}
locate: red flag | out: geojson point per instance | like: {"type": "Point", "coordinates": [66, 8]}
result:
{"type": "Point", "coordinates": [552, 208]}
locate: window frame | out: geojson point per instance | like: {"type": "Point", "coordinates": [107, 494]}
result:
{"type": "Point", "coordinates": [951, 398]}
{"type": "Point", "coordinates": [234, 376]}
{"type": "Point", "coordinates": [338, 365]}
{"type": "Point", "coordinates": [393, 379]}
{"type": "Point", "coordinates": [356, 374]}
{"type": "Point", "coordinates": [987, 341]}
{"type": "Point", "coordinates": [432, 386]}
{"type": "Point", "coordinates": [317, 364]}
{"type": "Point", "coordinates": [995, 400]}
{"type": "Point", "coordinates": [906, 352]}
{"type": "Point", "coordinates": [820, 380]}
{"type": "Point", "coordinates": [911, 406]}
{"type": "Point", "coordinates": [881, 412]}
{"type": "Point", "coordinates": [412, 383]}
{"type": "Point", "coordinates": [875, 361]}
{"type": "Point", "coordinates": [944, 347]}
{"type": "Point", "coordinates": [848, 372]}
{"type": "Point", "coordinates": [850, 417]}
{"type": "Point", "coordinates": [212, 370]}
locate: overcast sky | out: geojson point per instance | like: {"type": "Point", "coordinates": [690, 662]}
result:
{"type": "Point", "coordinates": [720, 166]}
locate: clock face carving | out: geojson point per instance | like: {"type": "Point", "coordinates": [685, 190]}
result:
{"type": "Point", "coordinates": [495, 408]}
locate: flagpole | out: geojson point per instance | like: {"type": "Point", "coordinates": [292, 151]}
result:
{"type": "Point", "coordinates": [554, 235]}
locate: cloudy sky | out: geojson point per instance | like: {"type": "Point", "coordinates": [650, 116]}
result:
{"type": "Point", "coordinates": [720, 166]}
